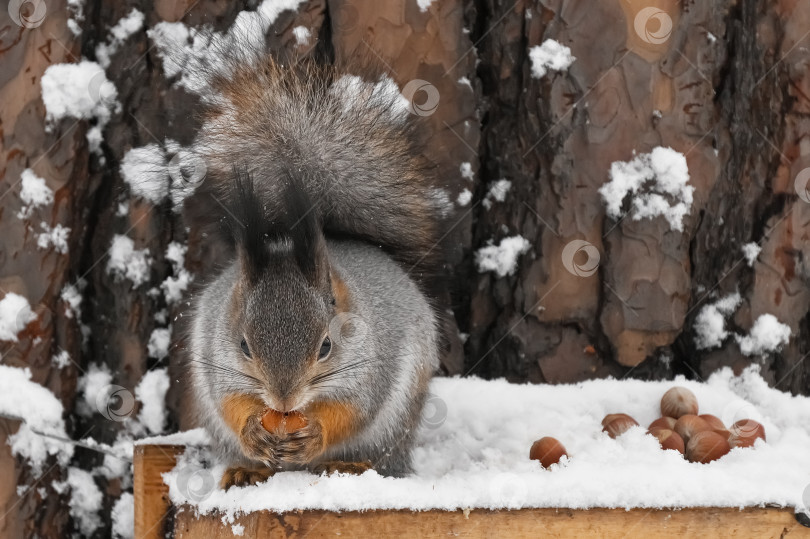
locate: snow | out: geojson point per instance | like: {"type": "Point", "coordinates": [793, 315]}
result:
{"type": "Point", "coordinates": [85, 500]}
{"type": "Point", "coordinates": [40, 410]}
{"type": "Point", "coordinates": [73, 299]}
{"type": "Point", "coordinates": [56, 237]}
{"type": "Point", "coordinates": [128, 262]}
{"type": "Point", "coordinates": [550, 55]}
{"type": "Point", "coordinates": [125, 27]}
{"type": "Point", "coordinates": [501, 258]}
{"type": "Point", "coordinates": [478, 456]}
{"type": "Point", "coordinates": [751, 252]}
{"type": "Point", "coordinates": [61, 359]}
{"type": "Point", "coordinates": [193, 437]}
{"type": "Point", "coordinates": [158, 345]}
{"type": "Point", "coordinates": [497, 192]}
{"type": "Point", "coordinates": [191, 53]}
{"type": "Point", "coordinates": [464, 197]}
{"type": "Point", "coordinates": [710, 323]}
{"type": "Point", "coordinates": [767, 334]}
{"type": "Point", "coordinates": [238, 530]}
{"type": "Point", "coordinates": [302, 35]}
{"type": "Point", "coordinates": [659, 182]}
{"type": "Point", "coordinates": [15, 314]}
{"type": "Point", "coordinates": [80, 91]}
{"type": "Point", "coordinates": [76, 9]}
{"type": "Point", "coordinates": [360, 94]}
{"type": "Point", "coordinates": [93, 388]}
{"type": "Point", "coordinates": [151, 392]}
{"type": "Point", "coordinates": [466, 170]}
{"type": "Point", "coordinates": [144, 169]}
{"type": "Point", "coordinates": [174, 286]}
{"type": "Point", "coordinates": [123, 517]}
{"type": "Point", "coordinates": [424, 5]}
{"type": "Point", "coordinates": [34, 193]}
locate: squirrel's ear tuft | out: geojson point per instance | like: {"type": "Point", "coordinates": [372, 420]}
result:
{"type": "Point", "coordinates": [254, 229]}
{"type": "Point", "coordinates": [304, 228]}
{"type": "Point", "coordinates": [248, 224]}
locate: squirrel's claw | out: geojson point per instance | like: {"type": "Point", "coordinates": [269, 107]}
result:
{"type": "Point", "coordinates": [259, 444]}
{"type": "Point", "coordinates": [301, 446]}
{"type": "Point", "coordinates": [237, 476]}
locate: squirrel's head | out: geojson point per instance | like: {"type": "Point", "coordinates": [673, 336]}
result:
{"type": "Point", "coordinates": [285, 296]}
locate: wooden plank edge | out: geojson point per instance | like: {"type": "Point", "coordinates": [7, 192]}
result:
{"type": "Point", "coordinates": [754, 523]}
{"type": "Point", "coordinates": [151, 494]}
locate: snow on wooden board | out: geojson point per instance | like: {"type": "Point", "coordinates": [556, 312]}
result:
{"type": "Point", "coordinates": [474, 445]}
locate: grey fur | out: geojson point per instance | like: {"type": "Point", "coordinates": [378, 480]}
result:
{"type": "Point", "coordinates": [354, 153]}
{"type": "Point", "coordinates": [399, 345]}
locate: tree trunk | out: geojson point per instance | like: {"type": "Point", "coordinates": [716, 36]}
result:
{"type": "Point", "coordinates": [727, 86]}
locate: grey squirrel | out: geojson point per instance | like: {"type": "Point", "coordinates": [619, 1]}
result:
{"type": "Point", "coordinates": [335, 217]}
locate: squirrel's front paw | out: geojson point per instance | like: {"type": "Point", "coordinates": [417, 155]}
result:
{"type": "Point", "coordinates": [301, 446]}
{"type": "Point", "coordinates": [338, 466]}
{"type": "Point", "coordinates": [259, 444]}
{"type": "Point", "coordinates": [238, 476]}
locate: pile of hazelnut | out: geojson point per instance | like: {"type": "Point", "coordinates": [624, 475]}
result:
{"type": "Point", "coordinates": [700, 438]}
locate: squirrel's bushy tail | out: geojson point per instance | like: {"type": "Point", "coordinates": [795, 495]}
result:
{"type": "Point", "coordinates": [351, 142]}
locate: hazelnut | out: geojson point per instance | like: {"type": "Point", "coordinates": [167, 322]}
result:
{"type": "Point", "coordinates": [663, 423]}
{"type": "Point", "coordinates": [275, 421]}
{"type": "Point", "coordinates": [688, 425]}
{"type": "Point", "coordinates": [706, 446]}
{"type": "Point", "coordinates": [669, 439]}
{"type": "Point", "coordinates": [617, 424]}
{"type": "Point", "coordinates": [678, 402]}
{"type": "Point", "coordinates": [716, 424]}
{"type": "Point", "coordinates": [745, 432]}
{"type": "Point", "coordinates": [548, 451]}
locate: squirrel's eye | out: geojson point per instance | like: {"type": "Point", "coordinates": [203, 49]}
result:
{"type": "Point", "coordinates": [245, 348]}
{"type": "Point", "coordinates": [326, 346]}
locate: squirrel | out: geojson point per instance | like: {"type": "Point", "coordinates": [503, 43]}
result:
{"type": "Point", "coordinates": [335, 216]}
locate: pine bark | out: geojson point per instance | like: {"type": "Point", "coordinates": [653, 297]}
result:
{"type": "Point", "coordinates": [729, 87]}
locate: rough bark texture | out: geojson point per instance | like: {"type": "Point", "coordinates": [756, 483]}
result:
{"type": "Point", "coordinates": [729, 87]}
